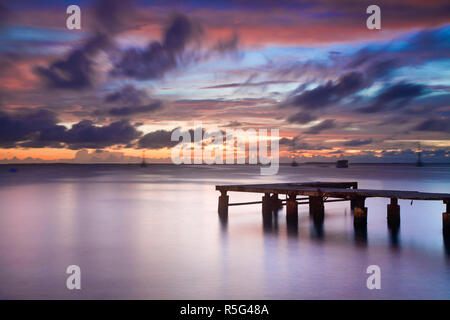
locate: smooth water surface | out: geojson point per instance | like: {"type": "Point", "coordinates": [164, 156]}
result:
{"type": "Point", "coordinates": [154, 233]}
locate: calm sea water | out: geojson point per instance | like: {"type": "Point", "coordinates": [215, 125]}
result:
{"type": "Point", "coordinates": [154, 233]}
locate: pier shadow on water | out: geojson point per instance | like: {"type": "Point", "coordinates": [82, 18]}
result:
{"type": "Point", "coordinates": [271, 223]}
{"type": "Point", "coordinates": [446, 240]}
{"type": "Point", "coordinates": [394, 234]}
{"type": "Point", "coordinates": [317, 227]}
{"type": "Point", "coordinates": [360, 234]}
{"type": "Point", "coordinates": [292, 228]}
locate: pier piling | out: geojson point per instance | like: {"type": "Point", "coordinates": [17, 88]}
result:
{"type": "Point", "coordinates": [446, 217]}
{"type": "Point", "coordinates": [316, 207]}
{"type": "Point", "coordinates": [291, 208]}
{"type": "Point", "coordinates": [359, 211]}
{"type": "Point", "coordinates": [266, 204]}
{"type": "Point", "coordinates": [354, 185]}
{"type": "Point", "coordinates": [393, 212]}
{"type": "Point", "coordinates": [276, 202]}
{"type": "Point", "coordinates": [223, 203]}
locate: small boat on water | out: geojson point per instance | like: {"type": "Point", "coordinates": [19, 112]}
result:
{"type": "Point", "coordinates": [342, 164]}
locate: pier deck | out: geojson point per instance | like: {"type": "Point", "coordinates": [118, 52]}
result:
{"type": "Point", "coordinates": [317, 193]}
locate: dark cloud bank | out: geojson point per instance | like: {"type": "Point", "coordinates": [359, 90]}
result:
{"type": "Point", "coordinates": [129, 101]}
{"type": "Point", "coordinates": [37, 129]}
{"type": "Point", "coordinates": [373, 63]}
{"type": "Point", "coordinates": [77, 70]}
{"type": "Point", "coordinates": [159, 57]}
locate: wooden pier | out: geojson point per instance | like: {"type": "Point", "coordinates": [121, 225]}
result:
{"type": "Point", "coordinates": [317, 193]}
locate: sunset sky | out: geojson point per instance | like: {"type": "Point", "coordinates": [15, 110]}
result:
{"type": "Point", "coordinates": [138, 70]}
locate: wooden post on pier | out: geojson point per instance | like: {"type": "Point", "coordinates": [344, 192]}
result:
{"type": "Point", "coordinates": [446, 217]}
{"type": "Point", "coordinates": [352, 204]}
{"type": "Point", "coordinates": [291, 208]}
{"type": "Point", "coordinates": [360, 211]}
{"type": "Point", "coordinates": [223, 203]}
{"type": "Point", "coordinates": [393, 212]}
{"type": "Point", "coordinates": [352, 201]}
{"type": "Point", "coordinates": [276, 202]}
{"type": "Point", "coordinates": [316, 208]}
{"type": "Point", "coordinates": [266, 204]}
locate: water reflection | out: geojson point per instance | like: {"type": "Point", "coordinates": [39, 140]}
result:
{"type": "Point", "coordinates": [275, 220]}
{"type": "Point", "coordinates": [158, 236]}
{"type": "Point", "coordinates": [446, 239]}
{"type": "Point", "coordinates": [270, 221]}
{"type": "Point", "coordinates": [223, 219]}
{"type": "Point", "coordinates": [292, 227]}
{"type": "Point", "coordinates": [316, 227]}
{"type": "Point", "coordinates": [360, 234]}
{"type": "Point", "coordinates": [267, 222]}
{"type": "Point", "coordinates": [394, 234]}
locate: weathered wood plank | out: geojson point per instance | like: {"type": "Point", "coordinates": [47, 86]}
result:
{"type": "Point", "coordinates": [331, 184]}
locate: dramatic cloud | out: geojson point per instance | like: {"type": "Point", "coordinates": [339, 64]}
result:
{"type": "Point", "coordinates": [428, 44]}
{"type": "Point", "coordinates": [37, 129]}
{"type": "Point", "coordinates": [380, 60]}
{"type": "Point", "coordinates": [330, 93]}
{"type": "Point", "coordinates": [78, 70]}
{"type": "Point", "coordinates": [163, 139]}
{"type": "Point", "coordinates": [157, 140]}
{"type": "Point", "coordinates": [395, 97]}
{"type": "Point", "coordinates": [438, 125]}
{"type": "Point", "coordinates": [127, 111]}
{"type": "Point", "coordinates": [324, 125]}
{"type": "Point", "coordinates": [20, 127]}
{"type": "Point", "coordinates": [302, 117]}
{"type": "Point", "coordinates": [358, 142]}
{"type": "Point", "coordinates": [374, 62]}
{"type": "Point", "coordinates": [127, 94]}
{"type": "Point", "coordinates": [86, 135]}
{"type": "Point", "coordinates": [298, 144]}
{"type": "Point", "coordinates": [382, 68]}
{"type": "Point", "coordinates": [159, 57]}
{"type": "Point", "coordinates": [135, 100]}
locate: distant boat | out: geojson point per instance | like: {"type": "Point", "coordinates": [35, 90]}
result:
{"type": "Point", "coordinates": [342, 164]}
{"type": "Point", "coordinates": [143, 163]}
